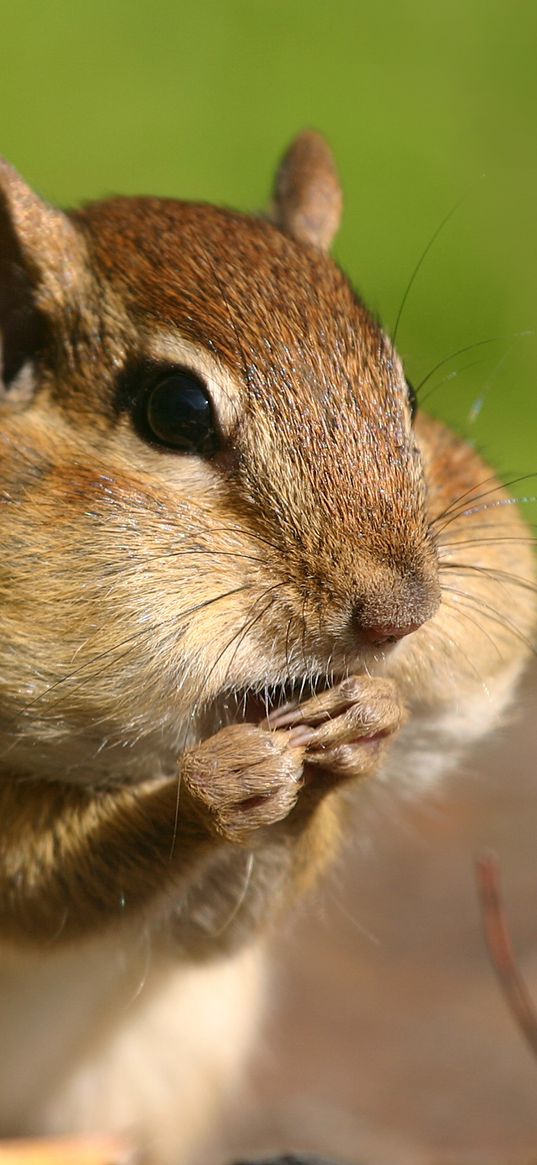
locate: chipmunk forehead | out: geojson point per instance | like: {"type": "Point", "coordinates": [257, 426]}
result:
{"type": "Point", "coordinates": [276, 314]}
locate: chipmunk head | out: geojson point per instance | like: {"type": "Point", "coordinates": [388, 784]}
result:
{"type": "Point", "coordinates": [209, 476]}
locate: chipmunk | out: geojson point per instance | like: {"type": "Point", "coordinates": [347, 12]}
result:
{"type": "Point", "coordinates": [239, 574]}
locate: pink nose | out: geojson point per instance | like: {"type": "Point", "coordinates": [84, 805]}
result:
{"type": "Point", "coordinates": [388, 632]}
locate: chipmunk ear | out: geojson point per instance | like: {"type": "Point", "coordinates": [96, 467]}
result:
{"type": "Point", "coordinates": [40, 259]}
{"type": "Point", "coordinates": [308, 199]}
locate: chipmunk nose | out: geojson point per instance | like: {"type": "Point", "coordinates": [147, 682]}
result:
{"type": "Point", "coordinates": [387, 632]}
{"type": "Point", "coordinates": [392, 604]}
{"type": "Point", "coordinates": [391, 613]}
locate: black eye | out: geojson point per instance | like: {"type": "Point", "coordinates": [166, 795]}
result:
{"type": "Point", "coordinates": [178, 413]}
{"type": "Point", "coordinates": [412, 400]}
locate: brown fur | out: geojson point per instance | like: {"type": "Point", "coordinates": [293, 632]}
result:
{"type": "Point", "coordinates": [149, 599]}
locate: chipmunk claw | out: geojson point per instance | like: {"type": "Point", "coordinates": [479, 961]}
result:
{"type": "Point", "coordinates": [244, 778]}
{"type": "Point", "coordinates": [344, 729]}
{"type": "Point", "coordinates": [249, 776]}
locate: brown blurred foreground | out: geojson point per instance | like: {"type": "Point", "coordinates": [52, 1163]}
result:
{"type": "Point", "coordinates": [389, 1041]}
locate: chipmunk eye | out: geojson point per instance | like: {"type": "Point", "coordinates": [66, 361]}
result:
{"type": "Point", "coordinates": [412, 399]}
{"type": "Point", "coordinates": [179, 414]}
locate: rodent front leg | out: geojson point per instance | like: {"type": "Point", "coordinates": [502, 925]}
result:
{"type": "Point", "coordinates": [73, 861]}
{"type": "Point", "coordinates": [244, 777]}
{"type": "Point", "coordinates": [248, 776]}
{"type": "Point", "coordinates": [345, 729]}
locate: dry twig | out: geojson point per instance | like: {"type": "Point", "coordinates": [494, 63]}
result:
{"type": "Point", "coordinates": [501, 951]}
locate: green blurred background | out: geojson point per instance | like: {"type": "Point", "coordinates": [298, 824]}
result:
{"type": "Point", "coordinates": [426, 104]}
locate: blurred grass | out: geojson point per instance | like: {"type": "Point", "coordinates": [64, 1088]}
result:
{"type": "Point", "coordinates": [426, 105]}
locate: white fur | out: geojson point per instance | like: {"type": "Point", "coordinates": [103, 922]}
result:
{"type": "Point", "coordinates": [431, 744]}
{"type": "Point", "coordinates": [121, 1040]}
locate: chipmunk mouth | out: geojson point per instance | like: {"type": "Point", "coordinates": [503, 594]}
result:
{"type": "Point", "coordinates": [257, 705]}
